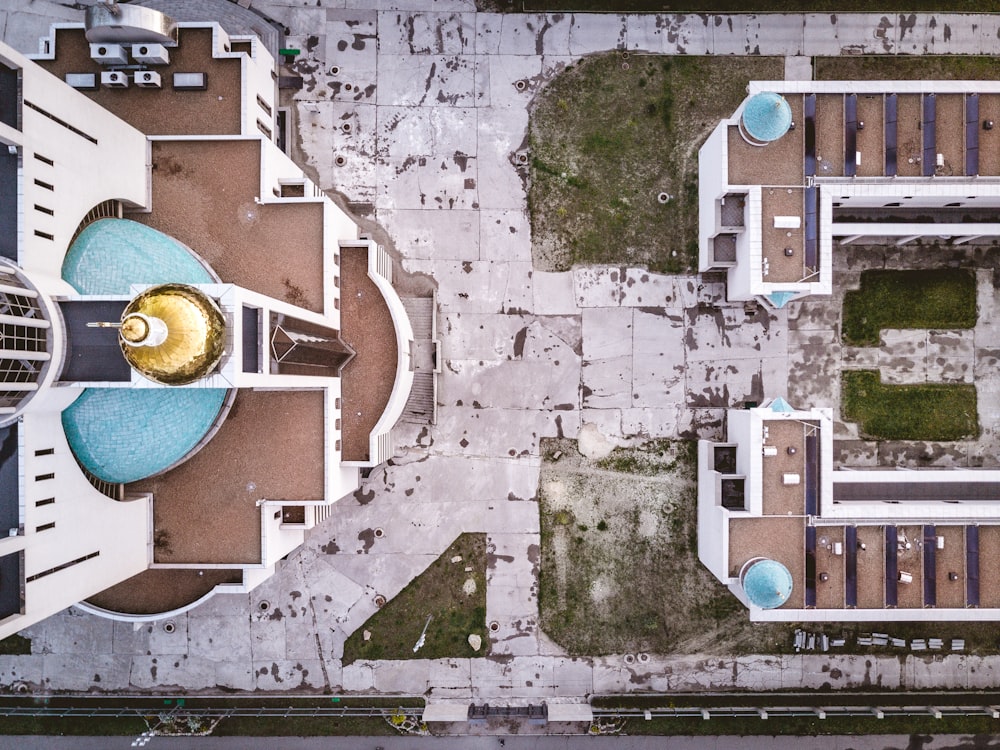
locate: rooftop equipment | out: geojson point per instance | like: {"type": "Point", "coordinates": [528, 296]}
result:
{"type": "Point", "coordinates": [148, 79]}
{"type": "Point", "coordinates": [108, 54]}
{"type": "Point", "coordinates": [114, 79]}
{"type": "Point", "coordinates": [151, 54]}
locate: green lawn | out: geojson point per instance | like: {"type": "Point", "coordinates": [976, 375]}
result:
{"type": "Point", "coordinates": [611, 133]}
{"type": "Point", "coordinates": [739, 6]}
{"type": "Point", "coordinates": [932, 411]}
{"type": "Point", "coordinates": [933, 299]}
{"type": "Point", "coordinates": [439, 592]}
{"type": "Point", "coordinates": [906, 67]}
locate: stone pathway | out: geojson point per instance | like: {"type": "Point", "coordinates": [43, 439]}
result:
{"type": "Point", "coordinates": [435, 114]}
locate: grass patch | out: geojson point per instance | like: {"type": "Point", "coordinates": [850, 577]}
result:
{"type": "Point", "coordinates": [14, 645]}
{"type": "Point", "coordinates": [932, 411]}
{"type": "Point", "coordinates": [438, 591]}
{"type": "Point", "coordinates": [932, 299]}
{"type": "Point", "coordinates": [812, 726]}
{"type": "Point", "coordinates": [79, 726]}
{"type": "Point", "coordinates": [303, 726]}
{"type": "Point", "coordinates": [737, 6]}
{"type": "Point", "coordinates": [906, 68]}
{"type": "Point", "coordinates": [606, 141]}
{"type": "Point", "coordinates": [619, 563]}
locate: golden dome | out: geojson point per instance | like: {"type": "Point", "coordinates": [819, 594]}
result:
{"type": "Point", "coordinates": [173, 334]}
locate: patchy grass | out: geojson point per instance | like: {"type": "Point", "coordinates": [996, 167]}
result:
{"type": "Point", "coordinates": [940, 298]}
{"type": "Point", "coordinates": [304, 726]}
{"type": "Point", "coordinates": [14, 645]}
{"type": "Point", "coordinates": [932, 411]}
{"type": "Point", "coordinates": [854, 726]}
{"type": "Point", "coordinates": [438, 591]}
{"type": "Point", "coordinates": [619, 563]}
{"type": "Point", "coordinates": [905, 68]}
{"type": "Point", "coordinates": [736, 6]}
{"type": "Point", "coordinates": [606, 141]}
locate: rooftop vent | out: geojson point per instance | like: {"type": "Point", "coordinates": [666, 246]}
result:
{"type": "Point", "coordinates": [114, 79]}
{"type": "Point", "coordinates": [148, 79]}
{"type": "Point", "coordinates": [151, 54]}
{"type": "Point", "coordinates": [108, 54]}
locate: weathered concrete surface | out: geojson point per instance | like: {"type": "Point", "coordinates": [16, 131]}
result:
{"type": "Point", "coordinates": [436, 121]}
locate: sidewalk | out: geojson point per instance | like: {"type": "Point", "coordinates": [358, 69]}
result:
{"type": "Point", "coordinates": [437, 120]}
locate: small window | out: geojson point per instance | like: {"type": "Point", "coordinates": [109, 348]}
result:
{"type": "Point", "coordinates": [45, 185]}
{"type": "Point", "coordinates": [46, 526]}
{"type": "Point", "coordinates": [45, 451]}
{"type": "Point", "coordinates": [43, 477]}
{"type": "Point", "coordinates": [44, 210]}
{"type": "Point", "coordinates": [46, 501]}
{"type": "Point", "coordinates": [44, 235]}
{"type": "Point", "coordinates": [45, 160]}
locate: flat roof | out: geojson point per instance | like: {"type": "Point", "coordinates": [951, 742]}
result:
{"type": "Point", "coordinates": [271, 446]}
{"type": "Point", "coordinates": [366, 326]}
{"type": "Point", "coordinates": [203, 195]}
{"type": "Point", "coordinates": [163, 111]}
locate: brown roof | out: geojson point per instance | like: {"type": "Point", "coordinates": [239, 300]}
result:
{"type": "Point", "coordinates": [164, 111]}
{"type": "Point", "coordinates": [367, 380]}
{"type": "Point", "coordinates": [204, 195]}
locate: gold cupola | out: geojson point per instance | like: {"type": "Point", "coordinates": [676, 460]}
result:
{"type": "Point", "coordinates": [173, 334]}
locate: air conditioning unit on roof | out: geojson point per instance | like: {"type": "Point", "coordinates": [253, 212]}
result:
{"type": "Point", "coordinates": [114, 79]}
{"type": "Point", "coordinates": [148, 79]}
{"type": "Point", "coordinates": [108, 54]}
{"type": "Point", "coordinates": [151, 54]}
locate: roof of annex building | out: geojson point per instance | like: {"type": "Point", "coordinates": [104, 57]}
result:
{"type": "Point", "coordinates": [772, 208]}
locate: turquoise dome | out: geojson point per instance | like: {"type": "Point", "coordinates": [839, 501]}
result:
{"type": "Point", "coordinates": [123, 435]}
{"type": "Point", "coordinates": [767, 116]}
{"type": "Point", "coordinates": [767, 584]}
{"type": "Point", "coordinates": [110, 255]}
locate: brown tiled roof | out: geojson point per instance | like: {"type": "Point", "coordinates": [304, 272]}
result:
{"type": "Point", "coordinates": [215, 111]}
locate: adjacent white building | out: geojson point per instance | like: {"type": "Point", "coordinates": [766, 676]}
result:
{"type": "Point", "coordinates": [801, 169]}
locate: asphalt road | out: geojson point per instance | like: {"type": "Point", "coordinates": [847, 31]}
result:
{"type": "Point", "coordinates": [882, 742]}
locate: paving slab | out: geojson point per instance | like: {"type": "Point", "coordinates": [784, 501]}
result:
{"type": "Point", "coordinates": [658, 362]}
{"type": "Point", "coordinates": [649, 423]}
{"type": "Point", "coordinates": [282, 675]}
{"type": "Point", "coordinates": [505, 235]}
{"type": "Point", "coordinates": [554, 293]}
{"type": "Point", "coordinates": [186, 672]}
{"type": "Point", "coordinates": [820, 34]}
{"type": "Point", "coordinates": [72, 632]}
{"type": "Point", "coordinates": [424, 33]}
{"type": "Point", "coordinates": [434, 235]}
{"type": "Point", "coordinates": [592, 33]}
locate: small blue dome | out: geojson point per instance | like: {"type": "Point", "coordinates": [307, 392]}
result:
{"type": "Point", "coordinates": [767, 584]}
{"type": "Point", "coordinates": [110, 255]}
{"type": "Point", "coordinates": [127, 434]}
{"type": "Point", "coordinates": [767, 116]}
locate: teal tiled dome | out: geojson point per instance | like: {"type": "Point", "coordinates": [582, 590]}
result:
{"type": "Point", "coordinates": [127, 434]}
{"type": "Point", "coordinates": [122, 435]}
{"type": "Point", "coordinates": [767, 116]}
{"type": "Point", "coordinates": [111, 254]}
{"type": "Point", "coordinates": [767, 583]}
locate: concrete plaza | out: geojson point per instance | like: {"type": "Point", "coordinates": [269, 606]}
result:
{"type": "Point", "coordinates": [436, 119]}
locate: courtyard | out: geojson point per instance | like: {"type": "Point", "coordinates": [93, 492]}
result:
{"type": "Point", "coordinates": [616, 351]}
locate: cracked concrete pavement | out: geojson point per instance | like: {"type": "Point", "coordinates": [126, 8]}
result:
{"type": "Point", "coordinates": [434, 96]}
